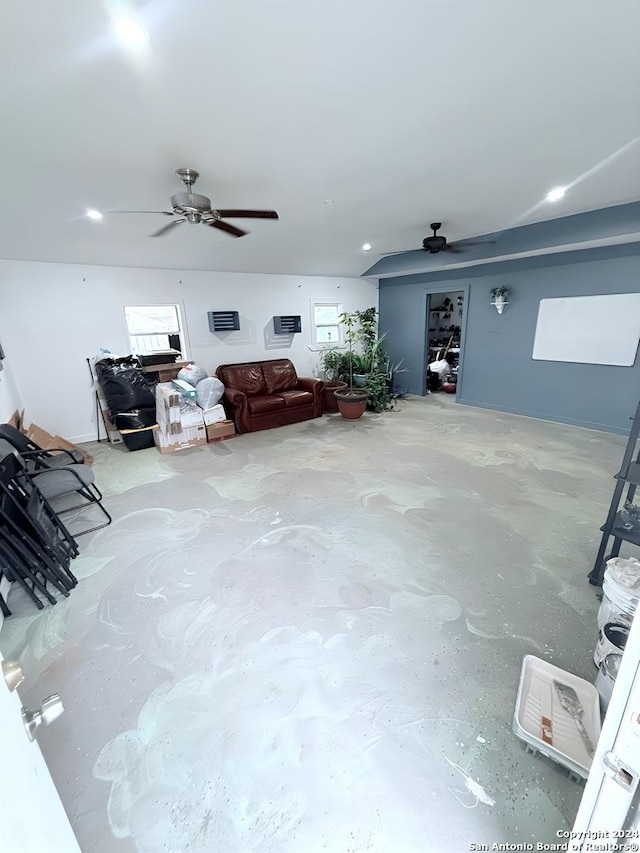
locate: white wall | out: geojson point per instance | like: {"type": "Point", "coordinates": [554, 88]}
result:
{"type": "Point", "coordinates": [54, 316]}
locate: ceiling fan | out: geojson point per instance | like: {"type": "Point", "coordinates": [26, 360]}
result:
{"type": "Point", "coordinates": [435, 243]}
{"type": "Point", "coordinates": [193, 208]}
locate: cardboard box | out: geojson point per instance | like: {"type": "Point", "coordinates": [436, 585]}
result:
{"type": "Point", "coordinates": [190, 437]}
{"type": "Point", "coordinates": [50, 442]}
{"type": "Point", "coordinates": [214, 415]}
{"type": "Point", "coordinates": [190, 415]}
{"type": "Point", "coordinates": [173, 413]}
{"type": "Point", "coordinates": [166, 372]}
{"type": "Point", "coordinates": [168, 409]}
{"type": "Point", "coordinates": [221, 430]}
{"type": "Point", "coordinates": [17, 420]}
{"type": "Point", "coordinates": [168, 375]}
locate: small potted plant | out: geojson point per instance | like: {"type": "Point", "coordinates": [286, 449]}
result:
{"type": "Point", "coordinates": [332, 362]}
{"type": "Point", "coordinates": [630, 515]}
{"type": "Point", "coordinates": [352, 401]}
{"type": "Point", "coordinates": [500, 298]}
{"type": "Point", "coordinates": [399, 386]}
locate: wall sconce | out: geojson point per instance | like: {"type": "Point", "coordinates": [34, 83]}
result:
{"type": "Point", "coordinates": [500, 298]}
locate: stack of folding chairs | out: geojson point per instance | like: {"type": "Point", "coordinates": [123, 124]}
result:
{"type": "Point", "coordinates": [36, 548]}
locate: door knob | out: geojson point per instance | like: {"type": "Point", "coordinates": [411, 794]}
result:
{"type": "Point", "coordinates": [13, 674]}
{"type": "Point", "coordinates": [49, 711]}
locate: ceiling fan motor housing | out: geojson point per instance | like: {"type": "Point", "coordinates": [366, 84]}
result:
{"type": "Point", "coordinates": [434, 244]}
{"type": "Point", "coordinates": [184, 203]}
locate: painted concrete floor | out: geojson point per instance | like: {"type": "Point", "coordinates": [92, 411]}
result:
{"type": "Point", "coordinates": [309, 639]}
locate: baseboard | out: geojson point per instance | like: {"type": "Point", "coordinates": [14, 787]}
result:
{"type": "Point", "coordinates": [545, 416]}
{"type": "Point", "coordinates": [83, 439]}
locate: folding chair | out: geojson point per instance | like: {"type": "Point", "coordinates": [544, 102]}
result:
{"type": "Point", "coordinates": [34, 455]}
{"type": "Point", "coordinates": [35, 547]}
{"type": "Point", "coordinates": [58, 481]}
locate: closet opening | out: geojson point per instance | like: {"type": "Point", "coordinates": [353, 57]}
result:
{"type": "Point", "coordinates": [445, 312]}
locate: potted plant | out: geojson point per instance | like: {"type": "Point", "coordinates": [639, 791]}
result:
{"type": "Point", "coordinates": [352, 401]}
{"type": "Point", "coordinates": [361, 370]}
{"type": "Point", "coordinates": [380, 397]}
{"type": "Point", "coordinates": [333, 364]}
{"type": "Point", "coordinates": [398, 386]}
{"type": "Point", "coordinates": [500, 298]}
{"type": "Point", "coordinates": [630, 515]}
{"type": "Point", "coordinates": [378, 380]}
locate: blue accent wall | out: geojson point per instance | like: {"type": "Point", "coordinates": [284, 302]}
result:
{"type": "Point", "coordinates": [539, 236]}
{"type": "Point", "coordinates": [498, 370]}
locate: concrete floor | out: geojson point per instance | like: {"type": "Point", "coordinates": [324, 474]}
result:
{"type": "Point", "coordinates": [309, 639]}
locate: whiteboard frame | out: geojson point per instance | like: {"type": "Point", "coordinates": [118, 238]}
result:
{"type": "Point", "coordinates": [576, 329]}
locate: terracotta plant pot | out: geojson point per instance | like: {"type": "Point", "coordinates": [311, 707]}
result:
{"type": "Point", "coordinates": [352, 403]}
{"type": "Point", "coordinates": [329, 402]}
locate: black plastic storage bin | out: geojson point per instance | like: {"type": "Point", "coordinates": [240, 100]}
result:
{"type": "Point", "coordinates": [138, 439]}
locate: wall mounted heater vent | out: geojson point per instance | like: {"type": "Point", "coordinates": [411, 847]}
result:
{"type": "Point", "coordinates": [287, 325]}
{"type": "Point", "coordinates": [224, 321]}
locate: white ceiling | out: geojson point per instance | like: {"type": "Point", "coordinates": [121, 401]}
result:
{"type": "Point", "coordinates": [400, 111]}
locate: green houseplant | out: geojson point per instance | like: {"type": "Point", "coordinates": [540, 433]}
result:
{"type": "Point", "coordinates": [352, 401]}
{"type": "Point", "coordinates": [333, 367]}
{"type": "Point", "coordinates": [630, 515]}
{"type": "Point", "coordinates": [397, 385]}
{"type": "Point", "coordinates": [369, 367]}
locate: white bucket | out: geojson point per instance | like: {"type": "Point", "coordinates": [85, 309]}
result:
{"type": "Point", "coordinates": [618, 604]}
{"type": "Point", "coordinates": [611, 639]}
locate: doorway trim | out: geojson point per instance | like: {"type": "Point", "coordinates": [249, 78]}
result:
{"type": "Point", "coordinates": [429, 291]}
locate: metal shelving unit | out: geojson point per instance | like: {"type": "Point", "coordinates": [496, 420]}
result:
{"type": "Point", "coordinates": [627, 477]}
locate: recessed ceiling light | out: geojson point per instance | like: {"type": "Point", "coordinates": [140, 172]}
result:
{"type": "Point", "coordinates": [556, 194]}
{"type": "Point", "coordinates": [328, 201]}
{"type": "Point", "coordinates": [94, 214]}
{"type": "Point", "coordinates": [130, 32]}
{"type": "Point", "coordinates": [366, 247]}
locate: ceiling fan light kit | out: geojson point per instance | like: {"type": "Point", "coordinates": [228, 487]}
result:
{"type": "Point", "coordinates": [197, 210]}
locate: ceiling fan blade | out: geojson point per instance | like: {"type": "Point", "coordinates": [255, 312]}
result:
{"type": "Point", "coordinates": [162, 212]}
{"type": "Point", "coordinates": [399, 252]}
{"type": "Point", "coordinates": [166, 228]}
{"type": "Point", "coordinates": [463, 243]}
{"type": "Point", "coordinates": [224, 226]}
{"type": "Point", "coordinates": [248, 214]}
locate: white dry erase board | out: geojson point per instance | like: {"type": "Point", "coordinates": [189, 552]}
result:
{"type": "Point", "coordinates": [589, 329]}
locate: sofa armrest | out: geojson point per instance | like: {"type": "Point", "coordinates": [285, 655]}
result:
{"type": "Point", "coordinates": [238, 409]}
{"type": "Point", "coordinates": [315, 386]}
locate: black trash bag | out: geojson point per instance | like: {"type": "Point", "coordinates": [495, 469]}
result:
{"type": "Point", "coordinates": [135, 419]}
{"type": "Point", "coordinates": [124, 385]}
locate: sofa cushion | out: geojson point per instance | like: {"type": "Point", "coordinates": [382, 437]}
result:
{"type": "Point", "coordinates": [247, 378]}
{"type": "Point", "coordinates": [262, 405]}
{"type": "Point", "coordinates": [297, 398]}
{"type": "Point", "coordinates": [280, 375]}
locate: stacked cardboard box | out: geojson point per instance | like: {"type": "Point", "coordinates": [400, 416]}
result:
{"type": "Point", "coordinates": [181, 424]}
{"type": "Point", "coordinates": [221, 430]}
{"type": "Point", "coordinates": [214, 414]}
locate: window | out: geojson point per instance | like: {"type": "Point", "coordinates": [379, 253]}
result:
{"type": "Point", "coordinates": [154, 327]}
{"type": "Point", "coordinates": [326, 322]}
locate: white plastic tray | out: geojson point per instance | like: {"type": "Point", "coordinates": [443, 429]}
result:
{"type": "Point", "coordinates": [537, 698]}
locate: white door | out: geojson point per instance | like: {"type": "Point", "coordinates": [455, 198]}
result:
{"type": "Point", "coordinates": [608, 812]}
{"type": "Point", "coordinates": [32, 818]}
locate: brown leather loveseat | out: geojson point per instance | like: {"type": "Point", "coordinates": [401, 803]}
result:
{"type": "Point", "coordinates": [265, 394]}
